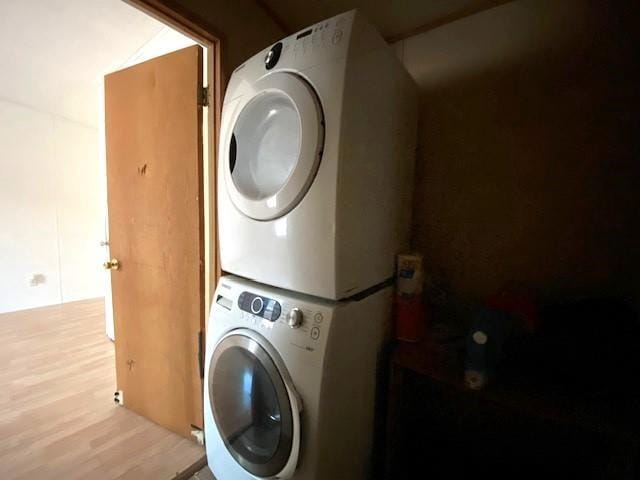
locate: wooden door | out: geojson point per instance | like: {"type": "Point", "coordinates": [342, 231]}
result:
{"type": "Point", "coordinates": [154, 186]}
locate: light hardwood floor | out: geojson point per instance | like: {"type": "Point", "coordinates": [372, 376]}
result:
{"type": "Point", "coordinates": [57, 415]}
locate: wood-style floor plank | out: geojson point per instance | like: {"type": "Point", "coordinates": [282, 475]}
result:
{"type": "Point", "coordinates": [57, 415]}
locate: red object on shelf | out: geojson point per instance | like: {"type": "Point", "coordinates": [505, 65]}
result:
{"type": "Point", "coordinates": [520, 304]}
{"type": "Point", "coordinates": [410, 324]}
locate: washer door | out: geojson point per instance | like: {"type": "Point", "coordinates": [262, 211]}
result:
{"type": "Point", "coordinates": [275, 146]}
{"type": "Point", "coordinates": [254, 405]}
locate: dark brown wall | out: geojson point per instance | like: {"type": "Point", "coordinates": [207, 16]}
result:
{"type": "Point", "coordinates": [242, 25]}
{"type": "Point", "coordinates": [527, 171]}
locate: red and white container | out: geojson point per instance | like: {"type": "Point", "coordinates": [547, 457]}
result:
{"type": "Point", "coordinates": [409, 308]}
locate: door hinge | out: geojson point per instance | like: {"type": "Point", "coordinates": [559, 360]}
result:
{"type": "Point", "coordinates": [201, 352]}
{"type": "Point", "coordinates": [203, 99]}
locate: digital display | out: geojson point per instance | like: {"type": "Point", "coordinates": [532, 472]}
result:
{"type": "Point", "coordinates": [268, 310]}
{"type": "Point", "coordinates": [264, 307]}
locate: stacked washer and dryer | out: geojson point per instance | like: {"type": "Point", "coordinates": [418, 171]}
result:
{"type": "Point", "coordinates": [315, 165]}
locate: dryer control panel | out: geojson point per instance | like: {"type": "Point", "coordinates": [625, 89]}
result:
{"type": "Point", "coordinates": [264, 307]}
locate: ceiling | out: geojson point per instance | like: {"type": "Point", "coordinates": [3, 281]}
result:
{"type": "Point", "coordinates": [54, 53]}
{"type": "Point", "coordinates": [394, 19]}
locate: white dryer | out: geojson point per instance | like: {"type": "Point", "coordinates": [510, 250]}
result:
{"type": "Point", "coordinates": [316, 159]}
{"type": "Point", "coordinates": [290, 383]}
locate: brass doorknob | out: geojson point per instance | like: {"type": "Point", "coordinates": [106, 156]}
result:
{"type": "Point", "coordinates": [112, 264]}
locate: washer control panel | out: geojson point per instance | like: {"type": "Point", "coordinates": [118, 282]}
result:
{"type": "Point", "coordinates": [264, 307]}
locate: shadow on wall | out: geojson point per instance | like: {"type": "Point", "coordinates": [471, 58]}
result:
{"type": "Point", "coordinates": [526, 172]}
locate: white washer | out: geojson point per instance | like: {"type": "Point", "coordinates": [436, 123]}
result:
{"type": "Point", "coordinates": [290, 390]}
{"type": "Point", "coordinates": [317, 144]}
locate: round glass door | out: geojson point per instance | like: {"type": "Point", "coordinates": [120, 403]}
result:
{"type": "Point", "coordinates": [250, 405]}
{"type": "Point", "coordinates": [275, 146]}
{"type": "Point", "coordinates": [266, 139]}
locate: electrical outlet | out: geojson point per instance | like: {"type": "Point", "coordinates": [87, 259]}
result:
{"type": "Point", "coordinates": [118, 397]}
{"type": "Point", "coordinates": [37, 279]}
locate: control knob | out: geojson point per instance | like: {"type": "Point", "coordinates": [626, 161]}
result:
{"type": "Point", "coordinates": [294, 318]}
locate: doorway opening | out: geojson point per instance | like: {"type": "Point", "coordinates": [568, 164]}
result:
{"type": "Point", "coordinates": [61, 414]}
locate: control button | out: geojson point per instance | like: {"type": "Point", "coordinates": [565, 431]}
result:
{"type": "Point", "coordinates": [294, 318]}
{"type": "Point", "coordinates": [276, 312]}
{"type": "Point", "coordinates": [318, 317]}
{"type": "Point", "coordinates": [315, 333]}
{"type": "Point", "coordinates": [270, 312]}
{"type": "Point", "coordinates": [273, 56]}
{"type": "Point", "coordinates": [256, 305]}
{"type": "Point", "coordinates": [241, 300]}
{"type": "Point", "coordinates": [246, 305]}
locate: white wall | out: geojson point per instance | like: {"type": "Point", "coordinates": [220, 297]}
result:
{"type": "Point", "coordinates": [51, 217]}
{"type": "Point", "coordinates": [165, 41]}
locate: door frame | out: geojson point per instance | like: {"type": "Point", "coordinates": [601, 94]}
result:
{"type": "Point", "coordinates": [206, 35]}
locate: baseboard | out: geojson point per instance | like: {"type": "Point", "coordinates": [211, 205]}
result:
{"type": "Point", "coordinates": [189, 472]}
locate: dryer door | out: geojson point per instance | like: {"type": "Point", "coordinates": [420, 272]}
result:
{"type": "Point", "coordinates": [254, 405]}
{"type": "Point", "coordinates": [272, 153]}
